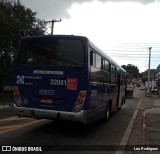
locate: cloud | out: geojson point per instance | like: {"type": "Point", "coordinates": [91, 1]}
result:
{"type": "Point", "coordinates": [50, 9]}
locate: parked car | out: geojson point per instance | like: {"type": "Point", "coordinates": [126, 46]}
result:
{"type": "Point", "coordinates": [153, 90]}
{"type": "Point", "coordinates": [129, 90]}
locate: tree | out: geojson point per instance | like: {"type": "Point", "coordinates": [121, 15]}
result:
{"type": "Point", "coordinates": [15, 21]}
{"type": "Point", "coordinates": [132, 70]}
{"type": "Point", "coordinates": [158, 69]}
{"type": "Point", "coordinates": [152, 75]}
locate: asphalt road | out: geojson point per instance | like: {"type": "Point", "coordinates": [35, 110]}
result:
{"type": "Point", "coordinates": [26, 131]}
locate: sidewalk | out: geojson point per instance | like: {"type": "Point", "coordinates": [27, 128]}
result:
{"type": "Point", "coordinates": [146, 129]}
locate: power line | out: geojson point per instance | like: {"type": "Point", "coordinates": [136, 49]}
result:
{"type": "Point", "coordinates": [121, 50]}
{"type": "Point", "coordinates": [130, 53]}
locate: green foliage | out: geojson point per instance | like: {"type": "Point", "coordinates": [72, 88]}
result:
{"type": "Point", "coordinates": [15, 20]}
{"type": "Point", "coordinates": [152, 75]}
{"type": "Point", "coordinates": [132, 70]}
{"type": "Point", "coordinates": [158, 69]}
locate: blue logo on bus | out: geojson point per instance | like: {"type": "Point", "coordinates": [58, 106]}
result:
{"type": "Point", "coordinates": [20, 79]}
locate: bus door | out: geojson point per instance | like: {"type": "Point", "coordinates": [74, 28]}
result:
{"type": "Point", "coordinates": [96, 86]}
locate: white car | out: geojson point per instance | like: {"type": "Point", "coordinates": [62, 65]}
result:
{"type": "Point", "coordinates": [154, 89]}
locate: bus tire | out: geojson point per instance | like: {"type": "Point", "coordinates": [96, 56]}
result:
{"type": "Point", "coordinates": [120, 108]}
{"type": "Point", "coordinates": [122, 102]}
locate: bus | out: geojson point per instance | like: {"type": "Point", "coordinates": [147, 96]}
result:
{"type": "Point", "coordinates": [66, 77]}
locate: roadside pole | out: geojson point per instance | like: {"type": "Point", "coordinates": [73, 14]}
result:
{"type": "Point", "coordinates": [53, 21]}
{"type": "Point", "coordinates": [148, 94]}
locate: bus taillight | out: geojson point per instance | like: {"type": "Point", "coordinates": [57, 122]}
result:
{"type": "Point", "coordinates": [82, 94]}
{"type": "Point", "coordinates": [80, 101]}
{"type": "Point", "coordinates": [17, 97]}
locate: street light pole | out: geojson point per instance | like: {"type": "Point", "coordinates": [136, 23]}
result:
{"type": "Point", "coordinates": [149, 69]}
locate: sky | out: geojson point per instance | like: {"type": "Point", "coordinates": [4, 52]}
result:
{"type": "Point", "coordinates": [123, 29]}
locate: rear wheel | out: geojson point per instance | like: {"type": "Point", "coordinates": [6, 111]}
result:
{"type": "Point", "coordinates": [120, 108]}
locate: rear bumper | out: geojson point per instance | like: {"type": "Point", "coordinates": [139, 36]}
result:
{"type": "Point", "coordinates": [51, 114]}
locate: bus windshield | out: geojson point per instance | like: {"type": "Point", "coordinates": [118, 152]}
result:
{"type": "Point", "coordinates": [51, 51]}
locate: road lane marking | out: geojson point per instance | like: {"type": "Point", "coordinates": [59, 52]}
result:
{"type": "Point", "coordinates": [6, 129]}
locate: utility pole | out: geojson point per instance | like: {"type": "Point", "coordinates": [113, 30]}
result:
{"type": "Point", "coordinates": [149, 71]}
{"type": "Point", "coordinates": [53, 21]}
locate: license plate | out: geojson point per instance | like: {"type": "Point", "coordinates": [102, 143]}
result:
{"type": "Point", "coordinates": [46, 100]}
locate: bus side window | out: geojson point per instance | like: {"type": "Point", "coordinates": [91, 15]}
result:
{"type": "Point", "coordinates": [113, 73]}
{"type": "Point", "coordinates": [98, 61]}
{"type": "Point", "coordinates": [106, 65]}
{"type": "Point", "coordinates": [110, 67]}
{"type": "Point", "coordinates": [116, 79]}
{"type": "Point", "coordinates": [102, 63]}
{"type": "Point", "coordinates": [92, 58]}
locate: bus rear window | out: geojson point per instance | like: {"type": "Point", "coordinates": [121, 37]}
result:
{"type": "Point", "coordinates": [51, 51]}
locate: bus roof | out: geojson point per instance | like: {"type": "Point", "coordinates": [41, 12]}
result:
{"type": "Point", "coordinates": [76, 36]}
{"type": "Point", "coordinates": [52, 36]}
